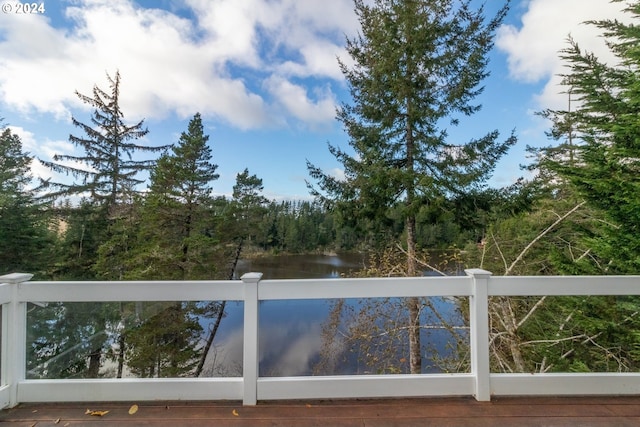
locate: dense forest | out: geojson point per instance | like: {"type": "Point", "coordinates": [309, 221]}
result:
{"type": "Point", "coordinates": [407, 191]}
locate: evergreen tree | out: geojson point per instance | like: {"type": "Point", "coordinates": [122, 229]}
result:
{"type": "Point", "coordinates": [25, 238]}
{"type": "Point", "coordinates": [114, 253]}
{"type": "Point", "coordinates": [77, 247]}
{"type": "Point", "coordinates": [248, 204]}
{"type": "Point", "coordinates": [591, 174]}
{"type": "Point", "coordinates": [176, 239]}
{"type": "Point", "coordinates": [107, 167]}
{"type": "Point", "coordinates": [417, 64]}
{"type": "Point", "coordinates": [601, 156]}
{"type": "Point", "coordinates": [14, 165]}
{"type": "Point", "coordinates": [554, 334]}
{"type": "Point", "coordinates": [105, 176]}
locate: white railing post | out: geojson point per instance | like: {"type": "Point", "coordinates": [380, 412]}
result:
{"type": "Point", "coordinates": [479, 330]}
{"type": "Point", "coordinates": [250, 348]}
{"type": "Point", "coordinates": [14, 341]}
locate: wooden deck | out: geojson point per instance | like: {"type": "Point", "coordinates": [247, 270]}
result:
{"type": "Point", "coordinates": [441, 412]}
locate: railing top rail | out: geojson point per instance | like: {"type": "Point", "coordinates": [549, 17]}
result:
{"type": "Point", "coordinates": [563, 285]}
{"type": "Point", "coordinates": [101, 291]}
{"type": "Point", "coordinates": [282, 289]}
{"type": "Point", "coordinates": [204, 290]}
{"type": "Point", "coordinates": [135, 282]}
{"type": "Point", "coordinates": [378, 287]}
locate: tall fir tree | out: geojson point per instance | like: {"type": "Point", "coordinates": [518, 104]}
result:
{"type": "Point", "coordinates": [176, 241]}
{"type": "Point", "coordinates": [105, 175]}
{"type": "Point", "coordinates": [106, 169]}
{"type": "Point", "coordinates": [418, 65]}
{"type": "Point", "coordinates": [601, 157]}
{"type": "Point", "coordinates": [177, 238]}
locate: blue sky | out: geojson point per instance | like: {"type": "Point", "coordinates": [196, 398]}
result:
{"type": "Point", "coordinates": [262, 73]}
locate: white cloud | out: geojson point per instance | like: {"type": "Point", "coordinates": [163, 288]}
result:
{"type": "Point", "coordinates": [314, 32]}
{"type": "Point", "coordinates": [32, 148]}
{"type": "Point", "coordinates": [296, 101]}
{"type": "Point", "coordinates": [320, 59]}
{"type": "Point", "coordinates": [45, 150]}
{"type": "Point", "coordinates": [533, 48]}
{"type": "Point", "coordinates": [338, 173]}
{"type": "Point", "coordinates": [26, 138]}
{"type": "Point", "coordinates": [289, 349]}
{"type": "Point", "coordinates": [28, 52]}
{"type": "Point", "coordinates": [170, 64]}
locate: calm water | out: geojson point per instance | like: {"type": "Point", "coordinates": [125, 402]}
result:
{"type": "Point", "coordinates": [302, 266]}
{"type": "Point", "coordinates": [291, 331]}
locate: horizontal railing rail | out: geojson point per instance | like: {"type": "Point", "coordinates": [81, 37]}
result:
{"type": "Point", "coordinates": [16, 290]}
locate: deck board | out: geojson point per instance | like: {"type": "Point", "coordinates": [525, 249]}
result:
{"type": "Point", "coordinates": [441, 412]}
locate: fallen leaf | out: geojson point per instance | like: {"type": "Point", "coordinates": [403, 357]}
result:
{"type": "Point", "coordinates": [67, 425]}
{"type": "Point", "coordinates": [235, 413]}
{"type": "Point", "coordinates": [57, 421]}
{"type": "Point", "coordinates": [133, 409]}
{"type": "Point", "coordinates": [87, 412]}
{"type": "Point", "coordinates": [98, 413]}
{"type": "Point", "coordinates": [34, 411]}
{"type": "Point", "coordinates": [34, 424]}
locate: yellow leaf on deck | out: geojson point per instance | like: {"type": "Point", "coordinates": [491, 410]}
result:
{"type": "Point", "coordinates": [133, 409]}
{"type": "Point", "coordinates": [235, 413]}
{"type": "Point", "coordinates": [87, 412]}
{"type": "Point", "coordinates": [99, 413]}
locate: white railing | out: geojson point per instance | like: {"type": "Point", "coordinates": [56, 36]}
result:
{"type": "Point", "coordinates": [16, 290]}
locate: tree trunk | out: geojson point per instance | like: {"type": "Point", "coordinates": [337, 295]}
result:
{"type": "Point", "coordinates": [412, 264]}
{"type": "Point", "coordinates": [94, 363]}
{"type": "Point", "coordinates": [214, 330]}
{"type": "Point", "coordinates": [210, 338]}
{"type": "Point", "coordinates": [122, 344]}
{"type": "Point", "coordinates": [415, 353]}
{"type": "Point", "coordinates": [512, 330]}
{"type": "Point", "coordinates": [415, 356]}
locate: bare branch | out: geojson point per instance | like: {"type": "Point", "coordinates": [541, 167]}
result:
{"type": "Point", "coordinates": [504, 260]}
{"type": "Point", "coordinates": [557, 340]}
{"type": "Point", "coordinates": [541, 235]}
{"type": "Point", "coordinates": [583, 255]}
{"type": "Point", "coordinates": [422, 263]}
{"type": "Point", "coordinates": [533, 309]}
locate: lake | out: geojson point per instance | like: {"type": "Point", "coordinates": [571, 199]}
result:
{"type": "Point", "coordinates": [311, 266]}
{"type": "Point", "coordinates": [297, 337]}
